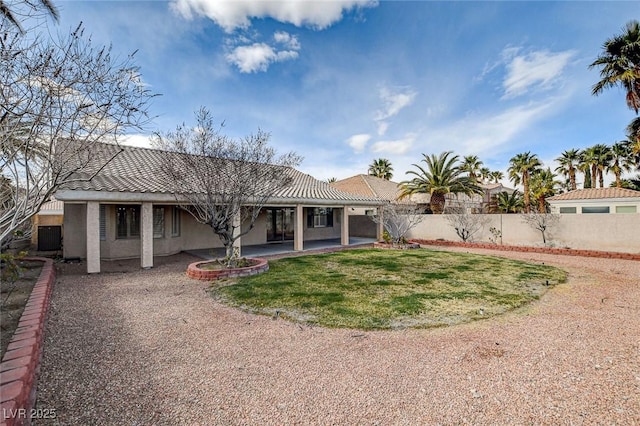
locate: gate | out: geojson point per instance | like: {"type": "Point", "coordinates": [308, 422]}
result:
{"type": "Point", "coordinates": [49, 238]}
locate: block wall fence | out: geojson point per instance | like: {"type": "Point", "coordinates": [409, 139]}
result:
{"type": "Point", "coordinates": [602, 232]}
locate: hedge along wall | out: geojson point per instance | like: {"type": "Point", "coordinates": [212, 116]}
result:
{"type": "Point", "coordinates": [605, 232]}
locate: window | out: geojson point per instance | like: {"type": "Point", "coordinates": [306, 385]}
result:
{"type": "Point", "coordinates": [568, 210]}
{"type": "Point", "coordinates": [320, 218]}
{"type": "Point", "coordinates": [626, 209]}
{"type": "Point", "coordinates": [128, 222]}
{"type": "Point", "coordinates": [103, 223]}
{"type": "Point", "coordinates": [175, 222]}
{"type": "Point", "coordinates": [596, 209]}
{"type": "Point", "coordinates": [158, 222]}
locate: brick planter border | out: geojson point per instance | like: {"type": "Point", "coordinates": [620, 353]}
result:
{"type": "Point", "coordinates": [388, 246]}
{"type": "Point", "coordinates": [546, 250]}
{"type": "Point", "coordinates": [194, 271]}
{"type": "Point", "coordinates": [20, 364]}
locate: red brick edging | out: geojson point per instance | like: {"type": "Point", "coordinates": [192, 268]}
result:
{"type": "Point", "coordinates": [547, 250]}
{"type": "Point", "coordinates": [20, 364]}
{"type": "Point", "coordinates": [193, 270]}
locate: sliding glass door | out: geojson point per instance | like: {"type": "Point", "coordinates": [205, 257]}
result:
{"type": "Point", "coordinates": [280, 224]}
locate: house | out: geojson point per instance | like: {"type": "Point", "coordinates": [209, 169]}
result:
{"type": "Point", "coordinates": [46, 231]}
{"type": "Point", "coordinates": [369, 186]}
{"type": "Point", "coordinates": [123, 210]}
{"type": "Point", "coordinates": [372, 186]}
{"type": "Point", "coordinates": [596, 200]}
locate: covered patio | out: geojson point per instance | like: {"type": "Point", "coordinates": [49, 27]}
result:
{"type": "Point", "coordinates": [284, 247]}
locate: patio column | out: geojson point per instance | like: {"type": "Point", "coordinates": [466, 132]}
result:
{"type": "Point", "coordinates": [146, 236]}
{"type": "Point", "coordinates": [93, 237]}
{"type": "Point", "coordinates": [380, 224]}
{"type": "Point", "coordinates": [344, 230]}
{"type": "Point", "coordinates": [237, 228]}
{"type": "Point", "coordinates": [298, 234]}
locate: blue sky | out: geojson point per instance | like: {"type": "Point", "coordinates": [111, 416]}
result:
{"type": "Point", "coordinates": [345, 82]}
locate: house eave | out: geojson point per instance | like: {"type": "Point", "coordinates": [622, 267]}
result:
{"type": "Point", "coordinates": [79, 196]}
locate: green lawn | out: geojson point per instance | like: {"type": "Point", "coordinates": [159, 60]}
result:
{"type": "Point", "coordinates": [383, 289]}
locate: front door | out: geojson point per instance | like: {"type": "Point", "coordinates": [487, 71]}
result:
{"type": "Point", "coordinates": [280, 224]}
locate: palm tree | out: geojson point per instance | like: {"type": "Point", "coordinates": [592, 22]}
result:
{"type": "Point", "coordinates": [620, 64]}
{"type": "Point", "coordinates": [543, 185]}
{"type": "Point", "coordinates": [509, 203]}
{"type": "Point", "coordinates": [520, 169]}
{"type": "Point", "coordinates": [633, 134]}
{"type": "Point", "coordinates": [484, 174]}
{"type": "Point", "coordinates": [471, 164]}
{"type": "Point", "coordinates": [496, 176]}
{"type": "Point", "coordinates": [588, 162]}
{"type": "Point", "coordinates": [381, 168]}
{"type": "Point", "coordinates": [12, 15]}
{"type": "Point", "coordinates": [603, 158]}
{"type": "Point", "coordinates": [332, 180]}
{"type": "Point", "coordinates": [568, 161]}
{"type": "Point", "coordinates": [621, 160]}
{"type": "Point", "coordinates": [440, 176]}
{"type": "Point", "coordinates": [631, 183]}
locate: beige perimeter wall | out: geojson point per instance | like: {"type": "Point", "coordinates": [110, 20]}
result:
{"type": "Point", "coordinates": [607, 232]}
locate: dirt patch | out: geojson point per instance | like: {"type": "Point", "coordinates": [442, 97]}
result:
{"type": "Point", "coordinates": [14, 295]}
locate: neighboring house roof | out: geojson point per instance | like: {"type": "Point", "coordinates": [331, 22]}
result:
{"type": "Point", "coordinates": [52, 207]}
{"type": "Point", "coordinates": [368, 186]}
{"type": "Point", "coordinates": [137, 173]}
{"type": "Point", "coordinates": [596, 194]}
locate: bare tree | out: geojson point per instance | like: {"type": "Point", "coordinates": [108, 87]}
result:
{"type": "Point", "coordinates": [226, 182]}
{"type": "Point", "coordinates": [398, 219]}
{"type": "Point", "coordinates": [58, 97]}
{"type": "Point", "coordinates": [543, 222]}
{"type": "Point", "coordinates": [466, 225]}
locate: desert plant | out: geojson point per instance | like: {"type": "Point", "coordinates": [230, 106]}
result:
{"type": "Point", "coordinates": [543, 222]}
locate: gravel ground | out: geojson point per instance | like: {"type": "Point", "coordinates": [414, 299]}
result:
{"type": "Point", "coordinates": [150, 347]}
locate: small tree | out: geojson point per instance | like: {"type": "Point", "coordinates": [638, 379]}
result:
{"type": "Point", "coordinates": [398, 219]}
{"type": "Point", "coordinates": [543, 222]}
{"type": "Point", "coordinates": [226, 182]}
{"type": "Point", "coordinates": [57, 97]}
{"type": "Point", "coordinates": [466, 225]}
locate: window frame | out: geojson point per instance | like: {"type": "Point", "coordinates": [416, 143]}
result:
{"type": "Point", "coordinates": [176, 226]}
{"type": "Point", "coordinates": [158, 222]}
{"type": "Point", "coordinates": [320, 217]}
{"type": "Point", "coordinates": [629, 209]}
{"type": "Point", "coordinates": [595, 209]}
{"type": "Point", "coordinates": [131, 223]}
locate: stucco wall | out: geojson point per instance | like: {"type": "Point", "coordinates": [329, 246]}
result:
{"type": "Point", "coordinates": [324, 233]}
{"type": "Point", "coordinates": [193, 235]}
{"type": "Point", "coordinates": [362, 226]}
{"type": "Point", "coordinates": [74, 243]}
{"type": "Point", "coordinates": [608, 232]}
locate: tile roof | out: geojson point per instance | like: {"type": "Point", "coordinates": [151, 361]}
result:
{"type": "Point", "coordinates": [140, 170]}
{"type": "Point", "coordinates": [369, 186]}
{"type": "Point", "coordinates": [596, 193]}
{"type": "Point", "coordinates": [51, 207]}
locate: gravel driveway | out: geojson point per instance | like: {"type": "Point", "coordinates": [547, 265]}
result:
{"type": "Point", "coordinates": [150, 347]}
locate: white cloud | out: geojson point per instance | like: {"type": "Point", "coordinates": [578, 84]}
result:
{"type": "Point", "coordinates": [286, 39]}
{"type": "Point", "coordinates": [397, 147]}
{"type": "Point", "coordinates": [142, 141]}
{"type": "Point", "coordinates": [358, 142]}
{"type": "Point", "coordinates": [257, 57]}
{"type": "Point", "coordinates": [382, 127]}
{"type": "Point", "coordinates": [394, 102]}
{"type": "Point", "coordinates": [487, 134]}
{"type": "Point", "coordinates": [535, 70]}
{"type": "Point", "coordinates": [231, 15]}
